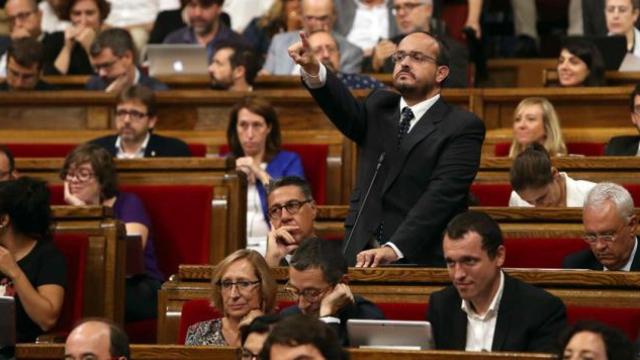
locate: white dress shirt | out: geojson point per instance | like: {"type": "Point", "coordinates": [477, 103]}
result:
{"type": "Point", "coordinates": [482, 327]}
{"type": "Point", "coordinates": [371, 23]}
{"type": "Point", "coordinates": [132, 12]}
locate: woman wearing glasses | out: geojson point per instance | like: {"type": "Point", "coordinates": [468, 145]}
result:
{"type": "Point", "coordinates": [32, 269]}
{"type": "Point", "coordinates": [90, 178]}
{"type": "Point", "coordinates": [254, 141]}
{"type": "Point", "coordinates": [243, 288]}
{"type": "Point", "coordinates": [537, 183]}
{"type": "Point", "coordinates": [67, 52]}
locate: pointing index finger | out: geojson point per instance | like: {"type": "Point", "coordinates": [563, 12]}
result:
{"type": "Point", "coordinates": [304, 39]}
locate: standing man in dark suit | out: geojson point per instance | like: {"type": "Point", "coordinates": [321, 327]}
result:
{"type": "Point", "coordinates": [318, 283]}
{"type": "Point", "coordinates": [610, 225]}
{"type": "Point", "coordinates": [486, 309]}
{"type": "Point", "coordinates": [135, 119]}
{"type": "Point", "coordinates": [427, 169]}
{"type": "Point", "coordinates": [628, 145]}
{"type": "Point", "coordinates": [113, 56]}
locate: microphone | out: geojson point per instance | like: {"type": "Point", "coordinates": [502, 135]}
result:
{"type": "Point", "coordinates": [364, 201]}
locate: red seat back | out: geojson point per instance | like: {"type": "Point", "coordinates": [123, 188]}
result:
{"type": "Point", "coordinates": [404, 311]}
{"type": "Point", "coordinates": [198, 150]}
{"type": "Point", "coordinates": [491, 194]}
{"type": "Point", "coordinates": [74, 247]}
{"type": "Point", "coordinates": [314, 163]}
{"type": "Point", "coordinates": [181, 218]}
{"type": "Point", "coordinates": [545, 253]}
{"type": "Point", "coordinates": [625, 319]}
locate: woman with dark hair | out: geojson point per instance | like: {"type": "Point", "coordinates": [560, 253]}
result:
{"type": "Point", "coordinates": [67, 52]}
{"type": "Point", "coordinates": [90, 178]}
{"type": "Point", "coordinates": [536, 182]}
{"type": "Point", "coordinates": [32, 270]}
{"type": "Point", "coordinates": [580, 64]}
{"type": "Point", "coordinates": [254, 140]}
{"type": "Point", "coordinates": [591, 340]}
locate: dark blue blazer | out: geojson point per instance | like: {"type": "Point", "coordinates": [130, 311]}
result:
{"type": "Point", "coordinates": [158, 146]}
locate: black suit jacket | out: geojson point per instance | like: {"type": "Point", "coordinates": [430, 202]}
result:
{"type": "Point", "coordinates": [585, 259]}
{"type": "Point", "coordinates": [529, 319]}
{"type": "Point", "coordinates": [361, 309]}
{"type": "Point", "coordinates": [158, 146]}
{"type": "Point", "coordinates": [622, 146]}
{"type": "Point", "coordinates": [95, 82]}
{"type": "Point", "coordinates": [421, 186]}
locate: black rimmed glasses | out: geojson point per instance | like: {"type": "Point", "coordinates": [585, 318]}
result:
{"type": "Point", "coordinates": [292, 207]}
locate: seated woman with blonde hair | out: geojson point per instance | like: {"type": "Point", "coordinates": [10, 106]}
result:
{"type": "Point", "coordinates": [243, 288]}
{"type": "Point", "coordinates": [535, 121]}
{"type": "Point", "coordinates": [537, 183]}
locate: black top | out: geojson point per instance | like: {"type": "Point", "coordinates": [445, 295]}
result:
{"type": "Point", "coordinates": [79, 64]}
{"type": "Point", "coordinates": [158, 146]}
{"type": "Point", "coordinates": [44, 265]}
{"type": "Point", "coordinates": [622, 146]}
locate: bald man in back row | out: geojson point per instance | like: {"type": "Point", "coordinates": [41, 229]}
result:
{"type": "Point", "coordinates": [98, 339]}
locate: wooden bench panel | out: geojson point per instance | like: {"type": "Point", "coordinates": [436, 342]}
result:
{"type": "Point", "coordinates": [104, 276]}
{"type": "Point", "coordinates": [410, 285]}
{"type": "Point", "coordinates": [179, 352]}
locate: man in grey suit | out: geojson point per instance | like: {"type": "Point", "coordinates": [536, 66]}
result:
{"type": "Point", "coordinates": [316, 15]}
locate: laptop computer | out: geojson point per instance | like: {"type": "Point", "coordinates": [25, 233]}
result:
{"type": "Point", "coordinates": [7, 327]}
{"type": "Point", "coordinates": [390, 334]}
{"type": "Point", "coordinates": [177, 59]}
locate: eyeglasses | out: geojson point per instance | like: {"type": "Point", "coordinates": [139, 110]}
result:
{"type": "Point", "coordinates": [248, 355]}
{"type": "Point", "coordinates": [330, 49]}
{"type": "Point", "coordinates": [83, 175]}
{"type": "Point", "coordinates": [106, 65]}
{"type": "Point", "coordinates": [241, 285]}
{"type": "Point", "coordinates": [408, 7]}
{"type": "Point", "coordinates": [310, 295]}
{"type": "Point", "coordinates": [133, 114]}
{"type": "Point", "coordinates": [414, 56]}
{"type": "Point", "coordinates": [608, 238]}
{"type": "Point", "coordinates": [292, 207]}
{"type": "Point", "coordinates": [20, 16]}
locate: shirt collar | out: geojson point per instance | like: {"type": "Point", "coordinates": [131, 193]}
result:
{"type": "Point", "coordinates": [627, 266]}
{"type": "Point", "coordinates": [121, 154]}
{"type": "Point", "coordinates": [420, 108]}
{"type": "Point", "coordinates": [467, 307]}
{"type": "Point", "coordinates": [136, 77]}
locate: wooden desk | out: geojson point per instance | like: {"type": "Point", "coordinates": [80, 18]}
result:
{"type": "Point", "coordinates": [178, 352]}
{"type": "Point", "coordinates": [409, 285]}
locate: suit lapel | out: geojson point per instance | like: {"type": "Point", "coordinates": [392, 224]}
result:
{"type": "Point", "coordinates": [425, 126]}
{"type": "Point", "coordinates": [459, 327]}
{"type": "Point", "coordinates": [635, 264]}
{"type": "Point", "coordinates": [505, 314]}
{"type": "Point", "coordinates": [632, 150]}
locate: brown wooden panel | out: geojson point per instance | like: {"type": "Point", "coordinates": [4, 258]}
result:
{"type": "Point", "coordinates": [178, 352]}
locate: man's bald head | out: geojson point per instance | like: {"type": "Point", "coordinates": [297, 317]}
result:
{"type": "Point", "coordinates": [317, 15]}
{"type": "Point", "coordinates": [33, 4]}
{"type": "Point", "coordinates": [99, 338]}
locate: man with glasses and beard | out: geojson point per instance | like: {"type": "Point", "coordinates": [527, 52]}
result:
{"type": "Point", "coordinates": [414, 182]}
{"type": "Point", "coordinates": [610, 225]}
{"type": "Point", "coordinates": [135, 119]}
{"type": "Point", "coordinates": [205, 27]}
{"type": "Point", "coordinates": [318, 283]}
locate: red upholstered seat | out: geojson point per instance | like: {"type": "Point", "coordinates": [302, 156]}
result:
{"type": "Point", "coordinates": [181, 237]}
{"type": "Point", "coordinates": [53, 150]}
{"type": "Point", "coordinates": [314, 163]}
{"type": "Point", "coordinates": [491, 194]}
{"type": "Point", "coordinates": [545, 253]}
{"type": "Point", "coordinates": [625, 319]}
{"type": "Point", "coordinates": [74, 248]}
{"type": "Point", "coordinates": [404, 311]}
{"type": "Point", "coordinates": [578, 148]}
